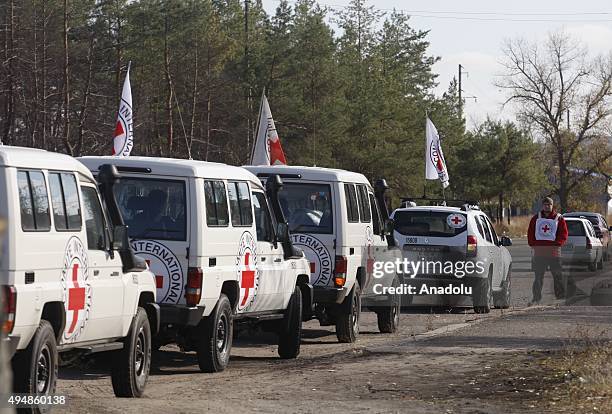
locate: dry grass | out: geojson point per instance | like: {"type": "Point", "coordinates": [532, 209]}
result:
{"type": "Point", "coordinates": [585, 368]}
{"type": "Point", "coordinates": [517, 228]}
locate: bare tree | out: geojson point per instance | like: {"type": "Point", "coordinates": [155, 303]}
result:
{"type": "Point", "coordinates": [564, 96]}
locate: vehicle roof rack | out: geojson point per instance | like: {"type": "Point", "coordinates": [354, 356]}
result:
{"type": "Point", "coordinates": [463, 204]}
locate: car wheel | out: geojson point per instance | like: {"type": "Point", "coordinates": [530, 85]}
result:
{"type": "Point", "coordinates": [290, 335]}
{"type": "Point", "coordinates": [347, 321]}
{"type": "Point", "coordinates": [389, 317]}
{"type": "Point", "coordinates": [35, 368]}
{"type": "Point", "coordinates": [600, 264]}
{"type": "Point", "coordinates": [483, 295]}
{"type": "Point", "coordinates": [215, 337]}
{"type": "Point", "coordinates": [502, 299]}
{"type": "Point", "coordinates": [132, 364]}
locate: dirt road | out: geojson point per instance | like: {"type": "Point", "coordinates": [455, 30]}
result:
{"type": "Point", "coordinates": [437, 363]}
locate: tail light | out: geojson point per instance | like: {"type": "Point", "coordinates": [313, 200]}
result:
{"type": "Point", "coordinates": [9, 307]}
{"type": "Point", "coordinates": [193, 293]}
{"type": "Point", "coordinates": [472, 246]}
{"type": "Point", "coordinates": [589, 245]}
{"type": "Point", "coordinates": [340, 271]}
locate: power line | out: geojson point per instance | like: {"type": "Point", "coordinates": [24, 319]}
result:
{"type": "Point", "coordinates": [489, 16]}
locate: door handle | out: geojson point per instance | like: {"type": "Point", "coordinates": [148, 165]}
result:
{"type": "Point", "coordinates": [114, 274]}
{"type": "Point", "coordinates": [263, 259]}
{"type": "Point", "coordinates": [278, 260]}
{"type": "Point", "coordinates": [212, 261]}
{"type": "Point", "coordinates": [96, 272]}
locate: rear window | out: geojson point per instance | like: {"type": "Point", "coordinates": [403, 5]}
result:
{"type": "Point", "coordinates": [307, 207]}
{"type": "Point", "coordinates": [351, 203]}
{"type": "Point", "coordinates": [153, 208]}
{"type": "Point", "coordinates": [426, 223]}
{"type": "Point", "coordinates": [575, 228]}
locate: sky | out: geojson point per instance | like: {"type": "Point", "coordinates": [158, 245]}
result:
{"type": "Point", "coordinates": [472, 33]}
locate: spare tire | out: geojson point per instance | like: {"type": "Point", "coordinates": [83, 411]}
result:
{"type": "Point", "coordinates": [601, 294]}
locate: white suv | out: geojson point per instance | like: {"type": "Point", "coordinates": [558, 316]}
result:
{"type": "Point", "coordinates": [71, 284]}
{"type": "Point", "coordinates": [455, 247]}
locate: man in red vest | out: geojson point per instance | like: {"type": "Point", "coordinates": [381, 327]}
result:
{"type": "Point", "coordinates": [547, 233]}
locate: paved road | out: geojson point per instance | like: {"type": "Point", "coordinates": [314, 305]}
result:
{"type": "Point", "coordinates": [438, 362]}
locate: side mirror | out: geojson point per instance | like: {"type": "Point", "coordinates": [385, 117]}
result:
{"type": "Point", "coordinates": [282, 232]}
{"type": "Point", "coordinates": [389, 227]}
{"type": "Point", "coordinates": [506, 241]}
{"type": "Point", "coordinates": [121, 241]}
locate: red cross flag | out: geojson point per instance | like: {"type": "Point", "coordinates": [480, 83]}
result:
{"type": "Point", "coordinates": [124, 133]}
{"type": "Point", "coordinates": [267, 149]}
{"type": "Point", "coordinates": [435, 165]}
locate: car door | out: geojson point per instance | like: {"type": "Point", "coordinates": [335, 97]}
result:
{"type": "Point", "coordinates": [495, 254]}
{"type": "Point", "coordinates": [271, 265]}
{"type": "Point", "coordinates": [105, 269]}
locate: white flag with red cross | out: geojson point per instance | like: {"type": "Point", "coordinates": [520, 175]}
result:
{"type": "Point", "coordinates": [267, 149]}
{"type": "Point", "coordinates": [124, 129]}
{"type": "Point", "coordinates": [435, 165]}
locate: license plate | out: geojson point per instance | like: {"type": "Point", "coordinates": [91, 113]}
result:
{"type": "Point", "coordinates": [411, 240]}
{"type": "Point", "coordinates": [568, 247]}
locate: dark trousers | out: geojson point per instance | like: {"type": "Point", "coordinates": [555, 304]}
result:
{"type": "Point", "coordinates": [563, 288]}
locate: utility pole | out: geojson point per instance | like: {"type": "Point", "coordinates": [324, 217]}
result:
{"type": "Point", "coordinates": [460, 91]}
{"type": "Point", "coordinates": [247, 77]}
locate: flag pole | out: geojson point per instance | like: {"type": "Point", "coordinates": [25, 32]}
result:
{"type": "Point", "coordinates": [425, 181]}
{"type": "Point", "coordinates": [263, 94]}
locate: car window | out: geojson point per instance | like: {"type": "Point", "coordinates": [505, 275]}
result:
{"type": "Point", "coordinates": [365, 214]}
{"type": "Point", "coordinates": [307, 207]}
{"type": "Point", "coordinates": [33, 201]}
{"type": "Point", "coordinates": [479, 227]}
{"type": "Point", "coordinates": [426, 223]}
{"type": "Point", "coordinates": [487, 231]}
{"type": "Point", "coordinates": [575, 228]}
{"type": "Point", "coordinates": [492, 230]}
{"type": "Point", "coordinates": [263, 220]}
{"type": "Point", "coordinates": [351, 203]}
{"type": "Point", "coordinates": [94, 219]}
{"type": "Point", "coordinates": [376, 219]}
{"type": "Point", "coordinates": [65, 202]}
{"type": "Point", "coordinates": [216, 203]}
{"type": "Point", "coordinates": [153, 208]}
{"type": "Point", "coordinates": [240, 203]}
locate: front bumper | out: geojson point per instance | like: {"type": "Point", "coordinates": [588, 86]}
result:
{"type": "Point", "coordinates": [326, 294]}
{"type": "Point", "coordinates": [180, 315]}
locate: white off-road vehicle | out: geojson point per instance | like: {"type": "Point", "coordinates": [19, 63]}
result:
{"type": "Point", "coordinates": [453, 248]}
{"type": "Point", "coordinates": [340, 223]}
{"type": "Point", "coordinates": [71, 284]}
{"type": "Point", "coordinates": [220, 251]}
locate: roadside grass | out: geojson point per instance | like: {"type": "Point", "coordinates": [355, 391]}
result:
{"type": "Point", "coordinates": [517, 228]}
{"type": "Point", "coordinates": [584, 370]}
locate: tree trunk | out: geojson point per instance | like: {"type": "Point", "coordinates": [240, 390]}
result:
{"type": "Point", "coordinates": [170, 130]}
{"type": "Point", "coordinates": [66, 135]}
{"type": "Point", "coordinates": [562, 192]}
{"type": "Point", "coordinates": [9, 57]}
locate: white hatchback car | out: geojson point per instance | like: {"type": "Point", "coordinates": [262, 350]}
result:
{"type": "Point", "coordinates": [458, 255]}
{"type": "Point", "coordinates": [582, 247]}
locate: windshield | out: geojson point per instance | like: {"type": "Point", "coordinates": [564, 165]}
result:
{"type": "Point", "coordinates": [151, 208]}
{"type": "Point", "coordinates": [307, 207]}
{"type": "Point", "coordinates": [429, 223]}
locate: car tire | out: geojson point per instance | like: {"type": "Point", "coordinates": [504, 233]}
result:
{"type": "Point", "coordinates": [483, 295]}
{"type": "Point", "coordinates": [600, 264]}
{"type": "Point", "coordinates": [347, 320]}
{"type": "Point", "coordinates": [592, 266]}
{"type": "Point", "coordinates": [389, 317]}
{"type": "Point", "coordinates": [290, 335]}
{"type": "Point", "coordinates": [502, 299]}
{"type": "Point", "coordinates": [214, 337]}
{"type": "Point", "coordinates": [35, 368]}
{"type": "Point", "coordinates": [132, 364]}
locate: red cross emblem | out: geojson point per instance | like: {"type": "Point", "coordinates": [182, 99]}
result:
{"type": "Point", "coordinates": [159, 279]}
{"type": "Point", "coordinates": [545, 229]}
{"type": "Point", "coordinates": [248, 278]}
{"type": "Point", "coordinates": [456, 220]}
{"type": "Point", "coordinates": [76, 298]}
